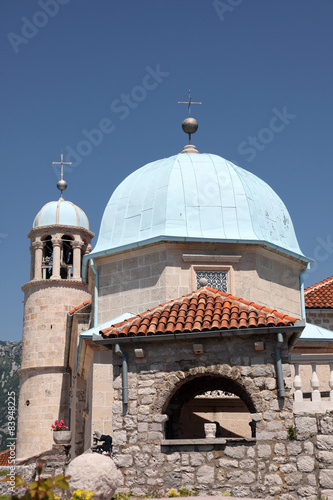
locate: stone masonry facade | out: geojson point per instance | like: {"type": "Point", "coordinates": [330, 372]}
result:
{"type": "Point", "coordinates": [264, 468]}
{"type": "Point", "coordinates": [270, 466]}
{"type": "Point", "coordinates": [320, 317]}
{"type": "Point", "coordinates": [139, 279]}
{"type": "Point", "coordinates": [44, 387]}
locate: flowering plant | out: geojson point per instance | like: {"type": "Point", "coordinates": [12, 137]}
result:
{"type": "Point", "coordinates": [82, 495]}
{"type": "Point", "coordinates": [59, 425]}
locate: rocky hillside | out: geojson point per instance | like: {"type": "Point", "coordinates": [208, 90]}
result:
{"type": "Point", "coordinates": [10, 362]}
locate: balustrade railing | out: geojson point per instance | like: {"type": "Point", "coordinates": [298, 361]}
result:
{"type": "Point", "coordinates": [313, 382]}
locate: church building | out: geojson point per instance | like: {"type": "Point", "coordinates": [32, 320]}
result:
{"type": "Point", "coordinates": [178, 334]}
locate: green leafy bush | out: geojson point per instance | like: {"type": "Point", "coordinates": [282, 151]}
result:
{"type": "Point", "coordinates": [42, 489]}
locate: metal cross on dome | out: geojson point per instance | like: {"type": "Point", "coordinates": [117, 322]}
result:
{"type": "Point", "coordinates": [62, 163]}
{"type": "Point", "coordinates": [189, 102]}
{"type": "Point", "coordinates": [62, 185]}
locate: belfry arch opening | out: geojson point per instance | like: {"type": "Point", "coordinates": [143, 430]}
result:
{"type": "Point", "coordinates": [66, 257]}
{"type": "Point", "coordinates": [47, 261]}
{"type": "Point", "coordinates": [209, 399]}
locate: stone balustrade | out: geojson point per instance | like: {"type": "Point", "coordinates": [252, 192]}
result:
{"type": "Point", "coordinates": [313, 382]}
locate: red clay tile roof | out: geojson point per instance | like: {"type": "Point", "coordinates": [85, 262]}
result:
{"type": "Point", "coordinates": [320, 295]}
{"type": "Point", "coordinates": [205, 309]}
{"type": "Point", "coordinates": [4, 457]}
{"type": "Point", "coordinates": [80, 306]}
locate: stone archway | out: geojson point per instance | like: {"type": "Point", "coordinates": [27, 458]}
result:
{"type": "Point", "coordinates": [185, 419]}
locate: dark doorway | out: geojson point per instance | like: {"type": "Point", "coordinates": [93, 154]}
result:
{"type": "Point", "coordinates": [206, 399]}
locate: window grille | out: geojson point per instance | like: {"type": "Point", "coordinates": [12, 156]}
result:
{"type": "Point", "coordinates": [216, 279]}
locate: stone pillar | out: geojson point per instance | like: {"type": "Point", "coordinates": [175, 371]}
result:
{"type": "Point", "coordinates": [38, 247]}
{"type": "Point", "coordinates": [32, 262]}
{"type": "Point", "coordinates": [330, 382]}
{"type": "Point", "coordinates": [102, 392]}
{"type": "Point", "coordinates": [76, 245]}
{"type": "Point", "coordinates": [56, 242]}
{"type": "Point", "coordinates": [315, 396]}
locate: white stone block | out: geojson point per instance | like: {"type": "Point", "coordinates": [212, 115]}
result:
{"type": "Point", "coordinates": [94, 472]}
{"type": "Point", "coordinates": [305, 463]}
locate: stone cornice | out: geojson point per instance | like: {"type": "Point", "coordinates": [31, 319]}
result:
{"type": "Point", "coordinates": [60, 229]}
{"type": "Point", "coordinates": [51, 283]}
{"type": "Point", "coordinates": [35, 370]}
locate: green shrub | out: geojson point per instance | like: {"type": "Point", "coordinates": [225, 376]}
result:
{"type": "Point", "coordinates": [291, 433]}
{"type": "Point", "coordinates": [41, 489]}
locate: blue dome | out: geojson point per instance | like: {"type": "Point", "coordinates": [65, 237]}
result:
{"type": "Point", "coordinates": [61, 212]}
{"type": "Point", "coordinates": [195, 197]}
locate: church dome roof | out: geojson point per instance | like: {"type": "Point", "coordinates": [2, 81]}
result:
{"type": "Point", "coordinates": [195, 197]}
{"type": "Point", "coordinates": [61, 212]}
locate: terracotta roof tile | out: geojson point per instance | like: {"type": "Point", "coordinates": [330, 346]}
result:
{"type": "Point", "coordinates": [204, 310]}
{"type": "Point", "coordinates": [80, 306]}
{"type": "Point", "coordinates": [320, 295]}
{"type": "Point", "coordinates": [4, 457]}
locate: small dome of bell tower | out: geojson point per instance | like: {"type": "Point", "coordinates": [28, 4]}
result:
{"type": "Point", "coordinates": [60, 237]}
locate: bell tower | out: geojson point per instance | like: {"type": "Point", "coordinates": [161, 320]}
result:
{"type": "Point", "coordinates": [60, 237]}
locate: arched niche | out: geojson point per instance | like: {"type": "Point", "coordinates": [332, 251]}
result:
{"type": "Point", "coordinates": [207, 399]}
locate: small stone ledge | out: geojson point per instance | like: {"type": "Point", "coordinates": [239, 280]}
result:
{"type": "Point", "coordinates": [189, 442]}
{"type": "Point", "coordinates": [186, 442]}
{"type": "Point", "coordinates": [194, 257]}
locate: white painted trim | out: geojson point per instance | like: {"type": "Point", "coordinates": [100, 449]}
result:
{"type": "Point", "coordinates": [308, 359]}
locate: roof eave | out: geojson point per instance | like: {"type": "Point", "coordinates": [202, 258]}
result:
{"type": "Point", "coordinates": [294, 330]}
{"type": "Point", "coordinates": [318, 308]}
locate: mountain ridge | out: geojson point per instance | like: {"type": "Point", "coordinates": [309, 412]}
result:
{"type": "Point", "coordinates": [10, 362]}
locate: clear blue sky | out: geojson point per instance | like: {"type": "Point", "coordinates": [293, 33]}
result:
{"type": "Point", "coordinates": [67, 65]}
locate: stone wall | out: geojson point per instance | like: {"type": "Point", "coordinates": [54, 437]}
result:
{"type": "Point", "coordinates": [272, 469]}
{"type": "Point", "coordinates": [161, 381]}
{"type": "Point", "coordinates": [46, 306]}
{"type": "Point", "coordinates": [320, 317]}
{"type": "Point", "coordinates": [44, 388]}
{"type": "Point", "coordinates": [139, 279]}
{"type": "Point", "coordinates": [270, 466]}
{"type": "Point", "coordinates": [317, 429]}
{"type": "Point", "coordinates": [54, 461]}
{"type": "Point", "coordinates": [277, 468]}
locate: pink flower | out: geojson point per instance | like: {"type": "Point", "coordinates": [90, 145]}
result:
{"type": "Point", "coordinates": [58, 426]}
